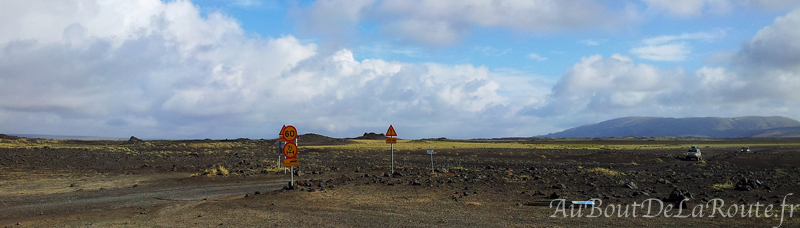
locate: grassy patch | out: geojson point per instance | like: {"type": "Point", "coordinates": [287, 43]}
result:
{"type": "Point", "coordinates": [157, 147]}
{"type": "Point", "coordinates": [726, 185]}
{"type": "Point", "coordinates": [218, 170]}
{"type": "Point", "coordinates": [666, 143]}
{"type": "Point", "coordinates": [780, 172]}
{"type": "Point", "coordinates": [603, 171]}
{"type": "Point", "coordinates": [273, 170]}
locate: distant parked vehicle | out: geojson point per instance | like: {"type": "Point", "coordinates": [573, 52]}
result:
{"type": "Point", "coordinates": [746, 149]}
{"type": "Point", "coordinates": [694, 154]}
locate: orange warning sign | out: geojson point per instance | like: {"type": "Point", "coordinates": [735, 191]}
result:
{"type": "Point", "coordinates": [281, 134]}
{"type": "Point", "coordinates": [391, 131]}
{"type": "Point", "coordinates": [290, 150]}
{"type": "Point", "coordinates": [391, 140]}
{"type": "Point", "coordinates": [290, 162]}
{"type": "Point", "coordinates": [289, 133]}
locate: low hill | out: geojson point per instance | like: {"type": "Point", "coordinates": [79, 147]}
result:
{"type": "Point", "coordinates": [782, 132]}
{"type": "Point", "coordinates": [11, 137]}
{"type": "Point", "coordinates": [716, 127]}
{"type": "Point", "coordinates": [371, 135]}
{"type": "Point", "coordinates": [67, 137]}
{"type": "Point", "coordinates": [311, 139]}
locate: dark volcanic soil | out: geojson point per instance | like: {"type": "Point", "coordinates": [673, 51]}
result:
{"type": "Point", "coordinates": [489, 179]}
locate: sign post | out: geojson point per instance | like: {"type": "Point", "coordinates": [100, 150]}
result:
{"type": "Point", "coordinates": [430, 151]}
{"type": "Point", "coordinates": [281, 142]}
{"type": "Point", "coordinates": [290, 150]}
{"type": "Point", "coordinates": [391, 140]}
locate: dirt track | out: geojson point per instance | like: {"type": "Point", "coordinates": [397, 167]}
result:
{"type": "Point", "coordinates": [144, 196]}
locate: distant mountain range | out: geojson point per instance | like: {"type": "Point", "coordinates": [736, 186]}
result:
{"type": "Point", "coordinates": [715, 127]}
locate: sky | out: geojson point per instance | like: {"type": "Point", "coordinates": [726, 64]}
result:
{"type": "Point", "coordinates": [180, 69]}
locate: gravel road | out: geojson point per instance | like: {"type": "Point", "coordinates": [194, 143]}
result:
{"type": "Point", "coordinates": [82, 201]}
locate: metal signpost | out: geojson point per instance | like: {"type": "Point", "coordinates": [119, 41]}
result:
{"type": "Point", "coordinates": [391, 140]}
{"type": "Point", "coordinates": [290, 149]}
{"type": "Point", "coordinates": [281, 142]}
{"type": "Point", "coordinates": [430, 151]}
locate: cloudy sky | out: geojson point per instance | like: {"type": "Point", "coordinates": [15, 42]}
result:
{"type": "Point", "coordinates": [432, 68]}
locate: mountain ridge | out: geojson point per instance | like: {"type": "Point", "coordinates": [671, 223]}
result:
{"type": "Point", "coordinates": [715, 127]}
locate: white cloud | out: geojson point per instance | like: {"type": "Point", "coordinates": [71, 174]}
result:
{"type": "Point", "coordinates": [666, 52]}
{"type": "Point", "coordinates": [592, 42]}
{"type": "Point", "coordinates": [594, 77]}
{"type": "Point", "coordinates": [536, 57]}
{"type": "Point", "coordinates": [437, 33]}
{"type": "Point", "coordinates": [694, 8]}
{"type": "Point", "coordinates": [771, 59]}
{"type": "Point", "coordinates": [761, 79]}
{"type": "Point", "coordinates": [165, 71]}
{"type": "Point", "coordinates": [775, 45]}
{"type": "Point", "coordinates": [382, 50]}
{"type": "Point", "coordinates": [532, 15]}
{"type": "Point", "coordinates": [247, 2]}
{"type": "Point", "coordinates": [704, 36]}
{"type": "Point", "coordinates": [490, 51]}
{"type": "Point", "coordinates": [335, 19]}
{"type": "Point", "coordinates": [442, 23]}
{"type": "Point", "coordinates": [156, 69]}
{"type": "Point", "coordinates": [775, 4]}
{"type": "Point", "coordinates": [689, 8]}
{"type": "Point", "coordinates": [598, 88]}
{"type": "Point", "coordinates": [672, 47]}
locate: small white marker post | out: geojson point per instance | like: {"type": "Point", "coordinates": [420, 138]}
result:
{"type": "Point", "coordinates": [279, 147]}
{"type": "Point", "coordinates": [291, 173]}
{"type": "Point", "coordinates": [280, 155]}
{"type": "Point", "coordinates": [292, 168]}
{"type": "Point", "coordinates": [392, 159]}
{"type": "Point", "coordinates": [430, 151]}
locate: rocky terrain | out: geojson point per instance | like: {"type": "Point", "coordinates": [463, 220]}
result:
{"type": "Point", "coordinates": [355, 187]}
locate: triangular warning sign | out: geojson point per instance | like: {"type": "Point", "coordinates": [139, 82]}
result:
{"type": "Point", "coordinates": [281, 134]}
{"type": "Point", "coordinates": [391, 132]}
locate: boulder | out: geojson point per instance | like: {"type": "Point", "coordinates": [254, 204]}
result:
{"type": "Point", "coordinates": [631, 185]}
{"type": "Point", "coordinates": [678, 195]}
{"type": "Point", "coordinates": [555, 195]}
{"type": "Point", "coordinates": [747, 184]}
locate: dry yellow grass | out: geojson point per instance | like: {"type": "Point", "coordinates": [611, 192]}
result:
{"type": "Point", "coordinates": [405, 144]}
{"type": "Point", "coordinates": [726, 185]}
{"type": "Point", "coordinates": [217, 170]}
{"type": "Point", "coordinates": [603, 171]}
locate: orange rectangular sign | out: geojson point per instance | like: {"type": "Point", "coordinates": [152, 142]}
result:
{"type": "Point", "coordinates": [290, 162]}
{"type": "Point", "coordinates": [391, 140]}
